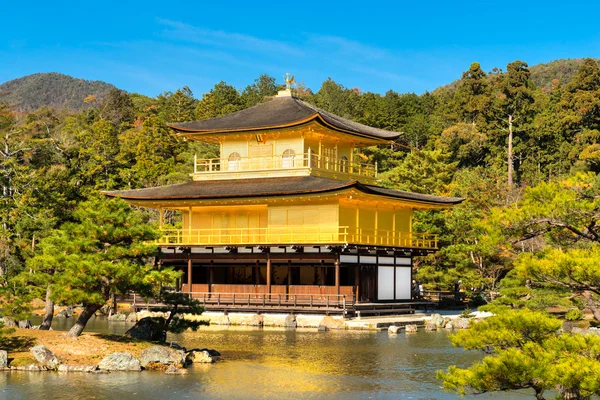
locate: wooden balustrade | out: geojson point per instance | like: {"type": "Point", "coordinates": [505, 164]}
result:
{"type": "Point", "coordinates": [298, 235]}
{"type": "Point", "coordinates": [296, 161]}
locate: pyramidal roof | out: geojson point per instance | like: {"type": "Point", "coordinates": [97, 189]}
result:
{"type": "Point", "coordinates": [282, 111]}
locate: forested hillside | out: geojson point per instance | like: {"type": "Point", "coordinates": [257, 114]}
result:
{"type": "Point", "coordinates": [51, 89]}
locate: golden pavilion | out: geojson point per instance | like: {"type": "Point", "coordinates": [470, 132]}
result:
{"type": "Point", "coordinates": [289, 217]}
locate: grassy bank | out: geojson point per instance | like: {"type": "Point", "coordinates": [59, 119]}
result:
{"type": "Point", "coordinates": [87, 349]}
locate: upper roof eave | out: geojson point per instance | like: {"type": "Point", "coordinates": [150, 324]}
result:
{"type": "Point", "coordinates": [281, 113]}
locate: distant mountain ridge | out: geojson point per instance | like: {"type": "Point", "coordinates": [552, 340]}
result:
{"type": "Point", "coordinates": [51, 89]}
{"type": "Point", "coordinates": [65, 92]}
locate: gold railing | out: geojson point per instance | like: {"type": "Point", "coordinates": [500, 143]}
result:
{"type": "Point", "coordinates": [296, 161]}
{"type": "Point", "coordinates": [298, 235]}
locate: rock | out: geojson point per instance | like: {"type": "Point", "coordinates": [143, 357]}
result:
{"type": "Point", "coordinates": [411, 328]}
{"type": "Point", "coordinates": [147, 328]}
{"type": "Point", "coordinates": [9, 322]}
{"type": "Point", "coordinates": [393, 330]}
{"type": "Point", "coordinates": [131, 317]}
{"type": "Point", "coordinates": [332, 323]}
{"type": "Point", "coordinates": [594, 331]}
{"type": "Point", "coordinates": [322, 328]}
{"type": "Point", "coordinates": [77, 368]}
{"type": "Point", "coordinates": [446, 321]}
{"type": "Point", "coordinates": [177, 346]}
{"type": "Point", "coordinates": [124, 361]}
{"type": "Point", "coordinates": [462, 323]}
{"type": "Point", "coordinates": [117, 317]}
{"type": "Point", "coordinates": [45, 357]}
{"type": "Point", "coordinates": [65, 313]}
{"type": "Point", "coordinates": [200, 357]}
{"type": "Point", "coordinates": [438, 320]}
{"type": "Point", "coordinates": [431, 326]}
{"type": "Point", "coordinates": [25, 324]}
{"type": "Point", "coordinates": [290, 321]}
{"type": "Point", "coordinates": [449, 326]}
{"type": "Point", "coordinates": [577, 330]}
{"type": "Point", "coordinates": [173, 370]}
{"type": "Point", "coordinates": [29, 367]}
{"type": "Point", "coordinates": [3, 359]}
{"type": "Point", "coordinates": [162, 355]}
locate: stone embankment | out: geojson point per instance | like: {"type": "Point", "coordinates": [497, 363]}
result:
{"type": "Point", "coordinates": [320, 322]}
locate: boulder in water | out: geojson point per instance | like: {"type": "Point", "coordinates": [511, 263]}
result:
{"type": "Point", "coordinates": [45, 357]}
{"type": "Point", "coordinates": [431, 326]}
{"type": "Point", "coordinates": [200, 357]}
{"type": "Point", "coordinates": [3, 359]}
{"type": "Point", "coordinates": [438, 320]}
{"type": "Point", "coordinates": [393, 330]}
{"type": "Point", "coordinates": [173, 370]}
{"type": "Point", "coordinates": [155, 356]}
{"type": "Point", "coordinates": [411, 328]}
{"type": "Point", "coordinates": [124, 361]}
{"type": "Point", "coordinates": [77, 368]}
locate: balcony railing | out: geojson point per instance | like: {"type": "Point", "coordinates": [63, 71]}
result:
{"type": "Point", "coordinates": [297, 161]}
{"type": "Point", "coordinates": [298, 235]}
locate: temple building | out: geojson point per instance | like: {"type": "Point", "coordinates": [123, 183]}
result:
{"type": "Point", "coordinates": [289, 216]}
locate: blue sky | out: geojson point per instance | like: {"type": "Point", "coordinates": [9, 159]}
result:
{"type": "Point", "coordinates": [150, 47]}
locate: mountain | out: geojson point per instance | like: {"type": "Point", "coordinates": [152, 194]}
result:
{"type": "Point", "coordinates": [51, 89]}
{"type": "Point", "coordinates": [563, 70]}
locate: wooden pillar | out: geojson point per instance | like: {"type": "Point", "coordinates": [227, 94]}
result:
{"type": "Point", "coordinates": [357, 281]}
{"type": "Point", "coordinates": [161, 218]}
{"type": "Point", "coordinates": [256, 274]}
{"type": "Point", "coordinates": [268, 275]}
{"type": "Point", "coordinates": [189, 280]}
{"type": "Point", "coordinates": [337, 275]}
{"type": "Point", "coordinates": [289, 276]}
{"type": "Point", "coordinates": [210, 276]}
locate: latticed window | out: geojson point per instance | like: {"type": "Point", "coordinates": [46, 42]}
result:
{"type": "Point", "coordinates": [233, 161]}
{"type": "Point", "coordinates": [288, 160]}
{"type": "Point", "coordinates": [344, 164]}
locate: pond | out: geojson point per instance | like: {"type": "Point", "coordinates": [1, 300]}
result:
{"type": "Point", "coordinates": [271, 364]}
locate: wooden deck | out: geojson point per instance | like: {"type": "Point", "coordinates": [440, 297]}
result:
{"type": "Point", "coordinates": [343, 304]}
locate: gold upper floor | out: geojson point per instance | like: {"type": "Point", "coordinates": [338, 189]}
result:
{"type": "Point", "coordinates": [308, 149]}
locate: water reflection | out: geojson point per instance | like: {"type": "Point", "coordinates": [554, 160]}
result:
{"type": "Point", "coordinates": [272, 363]}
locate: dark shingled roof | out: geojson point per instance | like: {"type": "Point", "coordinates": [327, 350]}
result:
{"type": "Point", "coordinates": [261, 187]}
{"type": "Point", "coordinates": [281, 111]}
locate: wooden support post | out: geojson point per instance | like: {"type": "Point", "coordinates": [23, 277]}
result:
{"type": "Point", "coordinates": [269, 276]}
{"type": "Point", "coordinates": [337, 275]}
{"type": "Point", "coordinates": [210, 276]}
{"type": "Point", "coordinates": [289, 276]}
{"type": "Point", "coordinates": [256, 274]}
{"type": "Point", "coordinates": [161, 218]}
{"type": "Point", "coordinates": [322, 274]}
{"type": "Point", "coordinates": [356, 281]}
{"type": "Point", "coordinates": [189, 281]}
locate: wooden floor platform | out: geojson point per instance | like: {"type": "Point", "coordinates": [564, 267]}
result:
{"type": "Point", "coordinates": [297, 304]}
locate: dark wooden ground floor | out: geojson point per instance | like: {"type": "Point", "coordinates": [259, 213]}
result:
{"type": "Point", "coordinates": [300, 278]}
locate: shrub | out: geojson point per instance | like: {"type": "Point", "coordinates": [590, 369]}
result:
{"type": "Point", "coordinates": [574, 315]}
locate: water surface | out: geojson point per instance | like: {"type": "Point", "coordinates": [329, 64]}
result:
{"type": "Point", "coordinates": [271, 364]}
